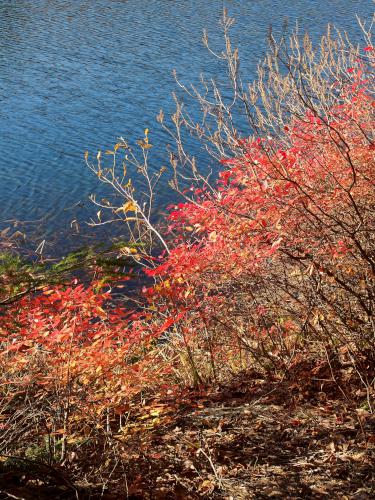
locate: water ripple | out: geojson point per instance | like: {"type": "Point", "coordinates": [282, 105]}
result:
{"type": "Point", "coordinates": [75, 75]}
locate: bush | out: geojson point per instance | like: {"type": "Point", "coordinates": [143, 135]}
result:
{"type": "Point", "coordinates": [270, 264]}
{"type": "Point", "coordinates": [275, 259]}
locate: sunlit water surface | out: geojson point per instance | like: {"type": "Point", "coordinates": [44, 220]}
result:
{"type": "Point", "coordinates": [75, 75]}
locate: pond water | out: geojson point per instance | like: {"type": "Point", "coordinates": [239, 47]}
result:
{"type": "Point", "coordinates": [75, 75]}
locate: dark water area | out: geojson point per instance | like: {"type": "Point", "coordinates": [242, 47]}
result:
{"type": "Point", "coordinates": [76, 75]}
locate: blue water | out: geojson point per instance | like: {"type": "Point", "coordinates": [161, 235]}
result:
{"type": "Point", "coordinates": [75, 75]}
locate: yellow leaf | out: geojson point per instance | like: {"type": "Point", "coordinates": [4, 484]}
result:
{"type": "Point", "coordinates": [129, 207]}
{"type": "Point", "coordinates": [98, 155]}
{"type": "Point", "coordinates": [120, 145]}
{"type": "Point", "coordinates": [155, 413]}
{"type": "Point", "coordinates": [143, 417]}
{"type": "Point", "coordinates": [86, 155]}
{"type": "Point", "coordinates": [109, 152]}
{"type": "Point", "coordinates": [144, 144]}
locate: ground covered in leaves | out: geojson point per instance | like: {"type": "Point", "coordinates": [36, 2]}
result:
{"type": "Point", "coordinates": [253, 438]}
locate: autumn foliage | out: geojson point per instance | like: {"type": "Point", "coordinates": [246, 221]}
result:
{"type": "Point", "coordinates": [271, 264]}
{"type": "Point", "coordinates": [281, 252]}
